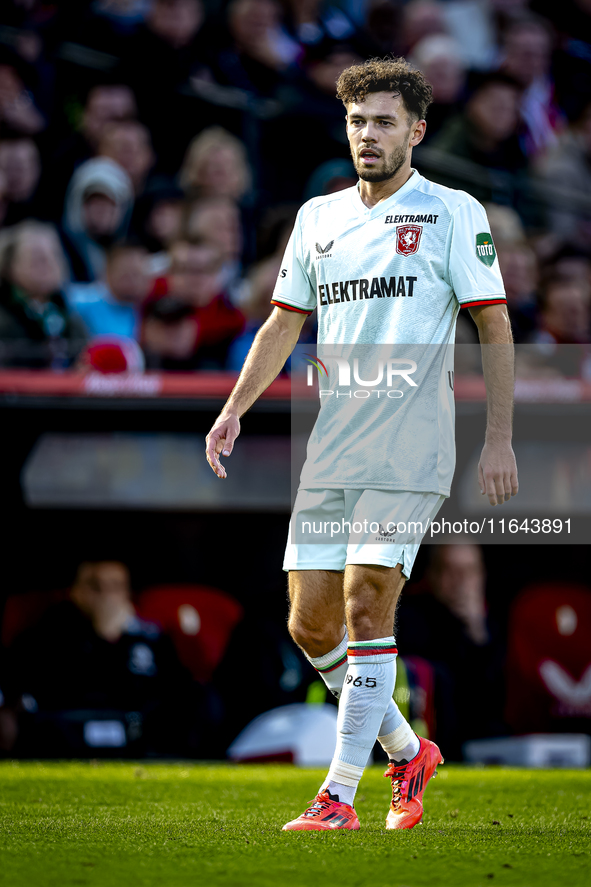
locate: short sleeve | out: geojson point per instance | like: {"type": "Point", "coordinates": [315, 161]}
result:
{"type": "Point", "coordinates": [293, 289]}
{"type": "Point", "coordinates": [473, 264]}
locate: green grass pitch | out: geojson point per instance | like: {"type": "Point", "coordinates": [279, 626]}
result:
{"type": "Point", "coordinates": [183, 825]}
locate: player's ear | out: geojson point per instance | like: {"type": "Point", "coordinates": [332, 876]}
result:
{"type": "Point", "coordinates": [417, 132]}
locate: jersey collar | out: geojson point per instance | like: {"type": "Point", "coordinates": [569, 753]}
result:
{"type": "Point", "coordinates": [377, 210]}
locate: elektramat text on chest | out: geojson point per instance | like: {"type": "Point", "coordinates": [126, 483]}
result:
{"type": "Point", "coordinates": [364, 288]}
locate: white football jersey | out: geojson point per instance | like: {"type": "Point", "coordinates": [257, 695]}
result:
{"type": "Point", "coordinates": [393, 274]}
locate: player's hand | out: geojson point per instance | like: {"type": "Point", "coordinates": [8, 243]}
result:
{"type": "Point", "coordinates": [221, 440]}
{"type": "Point", "coordinates": [497, 473]}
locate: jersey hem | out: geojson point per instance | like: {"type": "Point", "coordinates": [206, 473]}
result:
{"type": "Point", "coordinates": [290, 307]}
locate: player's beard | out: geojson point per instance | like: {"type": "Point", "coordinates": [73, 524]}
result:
{"type": "Point", "coordinates": [392, 163]}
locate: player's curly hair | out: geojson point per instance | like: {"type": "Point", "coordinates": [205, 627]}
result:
{"type": "Point", "coordinates": [394, 75]}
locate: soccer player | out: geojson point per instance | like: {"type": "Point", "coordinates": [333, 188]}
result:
{"type": "Point", "coordinates": [387, 262]}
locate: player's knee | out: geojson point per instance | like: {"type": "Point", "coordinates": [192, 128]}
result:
{"type": "Point", "coordinates": [361, 620]}
{"type": "Point", "coordinates": [315, 640]}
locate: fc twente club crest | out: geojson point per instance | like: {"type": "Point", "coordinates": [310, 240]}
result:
{"type": "Point", "coordinates": [408, 238]}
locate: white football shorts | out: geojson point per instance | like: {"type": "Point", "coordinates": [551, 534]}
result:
{"type": "Point", "coordinates": [332, 528]}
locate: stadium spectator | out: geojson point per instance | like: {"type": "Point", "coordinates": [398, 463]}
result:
{"type": "Point", "coordinates": [527, 58]}
{"type": "Point", "coordinates": [97, 212]}
{"type": "Point", "coordinates": [572, 263]}
{"type": "Point", "coordinates": [114, 306]}
{"type": "Point", "coordinates": [446, 622]}
{"type": "Point", "coordinates": [330, 177]}
{"type": "Point", "coordinates": [129, 144]}
{"type": "Point", "coordinates": [439, 58]}
{"type": "Point", "coordinates": [105, 103]}
{"type": "Point", "coordinates": [20, 164]}
{"type": "Point", "coordinates": [309, 22]}
{"type": "Point", "coordinates": [216, 220]}
{"type": "Point", "coordinates": [159, 59]}
{"type": "Point", "coordinates": [519, 268]}
{"type": "Point", "coordinates": [421, 19]}
{"type": "Point", "coordinates": [92, 670]}
{"type": "Point", "coordinates": [36, 327]}
{"type": "Point", "coordinates": [486, 132]}
{"type": "Point", "coordinates": [158, 220]}
{"type": "Point", "coordinates": [520, 276]}
{"type": "Point", "coordinates": [216, 165]}
{"type": "Point", "coordinates": [383, 24]}
{"type": "Point", "coordinates": [564, 313]}
{"type": "Point", "coordinates": [195, 280]}
{"type": "Point", "coordinates": [170, 335]}
{"type": "Point", "coordinates": [566, 175]}
{"type": "Point", "coordinates": [312, 107]}
{"type": "Point", "coordinates": [18, 111]}
{"type": "Point", "coordinates": [251, 56]}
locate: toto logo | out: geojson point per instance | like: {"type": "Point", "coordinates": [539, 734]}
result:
{"type": "Point", "coordinates": [408, 238]}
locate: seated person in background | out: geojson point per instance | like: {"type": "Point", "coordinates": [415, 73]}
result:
{"type": "Point", "coordinates": [104, 104]}
{"type": "Point", "coordinates": [446, 622]}
{"type": "Point", "coordinates": [565, 173]}
{"type": "Point", "coordinates": [564, 312]}
{"type": "Point", "coordinates": [91, 660]}
{"type": "Point", "coordinates": [519, 267]}
{"type": "Point", "coordinates": [114, 307]}
{"type": "Point", "coordinates": [487, 131]}
{"type": "Point", "coordinates": [254, 53]}
{"type": "Point", "coordinates": [195, 281]}
{"type": "Point", "coordinates": [216, 220]}
{"type": "Point", "coordinates": [18, 110]}
{"type": "Point", "coordinates": [439, 58]}
{"type": "Point", "coordinates": [128, 143]}
{"type": "Point", "coordinates": [216, 165]}
{"type": "Point", "coordinates": [37, 328]}
{"type": "Point", "coordinates": [97, 211]}
{"type": "Point", "coordinates": [157, 221]}
{"type": "Point", "coordinates": [169, 337]}
{"type": "Point", "coordinates": [20, 165]}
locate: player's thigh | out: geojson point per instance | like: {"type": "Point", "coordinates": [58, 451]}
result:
{"type": "Point", "coordinates": [388, 527]}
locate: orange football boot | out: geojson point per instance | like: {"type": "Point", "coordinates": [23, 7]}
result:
{"type": "Point", "coordinates": [323, 815]}
{"type": "Point", "coordinates": [409, 781]}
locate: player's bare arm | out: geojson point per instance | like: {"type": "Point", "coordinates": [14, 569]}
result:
{"type": "Point", "coordinates": [272, 346]}
{"type": "Point", "coordinates": [497, 470]}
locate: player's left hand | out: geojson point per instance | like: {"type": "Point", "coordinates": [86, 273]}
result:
{"type": "Point", "coordinates": [497, 472]}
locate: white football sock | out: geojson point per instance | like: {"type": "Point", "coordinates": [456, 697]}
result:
{"type": "Point", "coordinates": [367, 692]}
{"type": "Point", "coordinates": [401, 743]}
{"type": "Point", "coordinates": [395, 735]}
{"type": "Point", "coordinates": [332, 667]}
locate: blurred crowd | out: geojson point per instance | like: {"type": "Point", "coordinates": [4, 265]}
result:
{"type": "Point", "coordinates": [153, 154]}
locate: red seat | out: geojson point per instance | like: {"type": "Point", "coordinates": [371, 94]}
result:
{"type": "Point", "coordinates": [549, 659]}
{"type": "Point", "coordinates": [199, 620]}
{"type": "Point", "coordinates": [22, 611]}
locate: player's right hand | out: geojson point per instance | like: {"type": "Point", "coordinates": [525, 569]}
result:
{"type": "Point", "coordinates": [221, 440]}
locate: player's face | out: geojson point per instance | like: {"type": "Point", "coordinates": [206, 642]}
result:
{"type": "Point", "coordinates": [380, 136]}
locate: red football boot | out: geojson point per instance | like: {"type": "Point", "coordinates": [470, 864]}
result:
{"type": "Point", "coordinates": [409, 781]}
{"type": "Point", "coordinates": [323, 815]}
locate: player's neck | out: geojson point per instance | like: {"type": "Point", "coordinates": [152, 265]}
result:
{"type": "Point", "coordinates": [372, 193]}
